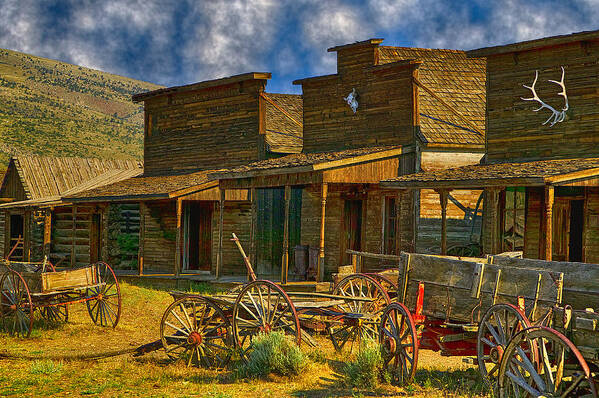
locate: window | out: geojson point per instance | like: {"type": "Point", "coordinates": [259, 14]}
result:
{"type": "Point", "coordinates": [514, 219]}
{"type": "Point", "coordinates": [390, 225]}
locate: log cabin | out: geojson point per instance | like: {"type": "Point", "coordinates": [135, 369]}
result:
{"type": "Point", "coordinates": [35, 221]}
{"type": "Point", "coordinates": [388, 111]}
{"type": "Point", "coordinates": [190, 132]}
{"type": "Point", "coordinates": [540, 173]}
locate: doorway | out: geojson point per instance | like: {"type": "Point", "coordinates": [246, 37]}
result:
{"type": "Point", "coordinates": [352, 228]}
{"type": "Point", "coordinates": [95, 238]}
{"type": "Point", "coordinates": [16, 247]}
{"type": "Point", "coordinates": [198, 236]}
{"type": "Point", "coordinates": [568, 224]}
{"type": "Point", "coordinates": [576, 228]}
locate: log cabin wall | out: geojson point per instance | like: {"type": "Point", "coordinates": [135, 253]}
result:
{"type": "Point", "coordinates": [384, 115]}
{"type": "Point", "coordinates": [159, 236]}
{"type": "Point", "coordinates": [514, 131]}
{"type": "Point", "coordinates": [13, 186]}
{"type": "Point", "coordinates": [236, 219]}
{"type": "Point", "coordinates": [203, 129]}
{"type": "Point", "coordinates": [591, 231]}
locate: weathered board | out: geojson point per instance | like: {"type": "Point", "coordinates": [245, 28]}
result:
{"type": "Point", "coordinates": [69, 279]}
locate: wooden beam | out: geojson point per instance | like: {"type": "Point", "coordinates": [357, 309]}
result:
{"type": "Point", "coordinates": [443, 194]}
{"type": "Point", "coordinates": [323, 205]}
{"type": "Point", "coordinates": [285, 265]}
{"type": "Point", "coordinates": [142, 231]}
{"type": "Point", "coordinates": [179, 243]}
{"type": "Point", "coordinates": [47, 233]}
{"type": "Point", "coordinates": [221, 215]}
{"type": "Point", "coordinates": [548, 221]}
{"type": "Point", "coordinates": [494, 220]}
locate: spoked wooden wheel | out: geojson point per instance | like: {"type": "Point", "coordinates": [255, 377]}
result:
{"type": "Point", "coordinates": [499, 325]}
{"type": "Point", "coordinates": [195, 330]}
{"type": "Point", "coordinates": [55, 314]}
{"type": "Point", "coordinates": [399, 343]}
{"type": "Point", "coordinates": [360, 314]}
{"type": "Point", "coordinates": [387, 283]}
{"type": "Point", "coordinates": [560, 371]}
{"type": "Point", "coordinates": [16, 308]}
{"type": "Point", "coordinates": [263, 307]}
{"type": "Point", "coordinates": [105, 306]}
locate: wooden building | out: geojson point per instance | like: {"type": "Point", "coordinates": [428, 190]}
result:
{"type": "Point", "coordinates": [541, 169]}
{"type": "Point", "coordinates": [387, 111]}
{"type": "Point", "coordinates": [190, 132]}
{"type": "Point", "coordinates": [37, 222]}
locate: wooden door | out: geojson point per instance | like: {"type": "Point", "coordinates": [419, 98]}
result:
{"type": "Point", "coordinates": [576, 228]}
{"type": "Point", "coordinates": [95, 238]}
{"type": "Point", "coordinates": [198, 235]}
{"type": "Point", "coordinates": [351, 231]}
{"type": "Point", "coordinates": [561, 229]}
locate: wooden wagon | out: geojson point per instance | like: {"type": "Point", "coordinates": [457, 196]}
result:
{"type": "Point", "coordinates": [27, 287]}
{"type": "Point", "coordinates": [462, 308]}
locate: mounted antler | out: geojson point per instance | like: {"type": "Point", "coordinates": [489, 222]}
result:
{"type": "Point", "coordinates": [556, 116]}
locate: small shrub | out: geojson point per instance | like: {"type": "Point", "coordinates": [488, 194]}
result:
{"type": "Point", "coordinates": [364, 370]}
{"type": "Point", "coordinates": [274, 353]}
{"type": "Point", "coordinates": [45, 367]}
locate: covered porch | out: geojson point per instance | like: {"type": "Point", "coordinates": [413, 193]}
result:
{"type": "Point", "coordinates": [548, 209]}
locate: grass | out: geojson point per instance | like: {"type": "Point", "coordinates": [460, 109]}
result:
{"type": "Point", "coordinates": [274, 353]}
{"type": "Point", "coordinates": [363, 371]}
{"type": "Point", "coordinates": [152, 376]}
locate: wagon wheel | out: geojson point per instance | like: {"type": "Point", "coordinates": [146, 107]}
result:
{"type": "Point", "coordinates": [105, 305]}
{"type": "Point", "coordinates": [263, 307]}
{"type": "Point", "coordinates": [195, 330]}
{"type": "Point", "coordinates": [388, 284]}
{"type": "Point", "coordinates": [55, 314]}
{"type": "Point", "coordinates": [561, 371]}
{"type": "Point", "coordinates": [498, 326]}
{"type": "Point", "coordinates": [16, 308]}
{"type": "Point", "coordinates": [399, 342]}
{"type": "Point", "coordinates": [357, 319]}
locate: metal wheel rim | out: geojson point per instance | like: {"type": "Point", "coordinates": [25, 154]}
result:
{"type": "Point", "coordinates": [497, 336]}
{"type": "Point", "coordinates": [17, 294]}
{"type": "Point", "coordinates": [107, 310]}
{"type": "Point", "coordinates": [262, 306]}
{"type": "Point", "coordinates": [541, 378]}
{"type": "Point", "coordinates": [399, 341]}
{"type": "Point", "coordinates": [190, 317]}
{"type": "Point", "coordinates": [366, 325]}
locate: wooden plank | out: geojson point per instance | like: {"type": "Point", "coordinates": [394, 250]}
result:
{"type": "Point", "coordinates": [142, 228]}
{"type": "Point", "coordinates": [69, 279]}
{"type": "Point", "coordinates": [285, 260]}
{"type": "Point", "coordinates": [548, 222]}
{"type": "Point", "coordinates": [179, 242]}
{"type": "Point", "coordinates": [221, 212]}
{"type": "Point", "coordinates": [323, 205]}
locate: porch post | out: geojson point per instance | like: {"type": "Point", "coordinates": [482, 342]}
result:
{"type": "Point", "coordinates": [142, 231]}
{"type": "Point", "coordinates": [320, 267]}
{"type": "Point", "coordinates": [47, 233]}
{"type": "Point", "coordinates": [493, 221]}
{"type": "Point", "coordinates": [285, 265]}
{"type": "Point", "coordinates": [179, 244]}
{"type": "Point", "coordinates": [443, 194]}
{"type": "Point", "coordinates": [219, 258]}
{"type": "Point", "coordinates": [548, 221]}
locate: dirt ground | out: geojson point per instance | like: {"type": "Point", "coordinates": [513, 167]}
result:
{"type": "Point", "coordinates": [152, 375]}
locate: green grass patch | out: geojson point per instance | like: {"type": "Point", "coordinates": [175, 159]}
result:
{"type": "Point", "coordinates": [45, 367]}
{"type": "Point", "coordinates": [363, 371]}
{"type": "Point", "coordinates": [274, 353]}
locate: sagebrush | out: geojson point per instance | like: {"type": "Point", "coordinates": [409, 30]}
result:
{"type": "Point", "coordinates": [274, 353]}
{"type": "Point", "coordinates": [363, 371]}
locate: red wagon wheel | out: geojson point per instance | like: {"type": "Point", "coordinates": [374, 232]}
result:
{"type": "Point", "coordinates": [399, 341]}
{"type": "Point", "coordinates": [358, 319]}
{"type": "Point", "coordinates": [498, 326]}
{"type": "Point", "coordinates": [560, 370]}
{"type": "Point", "coordinates": [263, 307]}
{"type": "Point", "coordinates": [16, 308]}
{"type": "Point", "coordinates": [105, 306]}
{"type": "Point", "coordinates": [195, 330]}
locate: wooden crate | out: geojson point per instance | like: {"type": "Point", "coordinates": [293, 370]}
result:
{"type": "Point", "coordinates": [69, 279]}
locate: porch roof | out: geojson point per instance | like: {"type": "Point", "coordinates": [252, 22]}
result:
{"type": "Point", "coordinates": [533, 173]}
{"type": "Point", "coordinates": [148, 187]}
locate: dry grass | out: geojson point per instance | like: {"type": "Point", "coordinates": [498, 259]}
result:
{"type": "Point", "coordinates": [152, 376]}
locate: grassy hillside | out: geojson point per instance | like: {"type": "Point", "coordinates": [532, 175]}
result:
{"type": "Point", "coordinates": [53, 108]}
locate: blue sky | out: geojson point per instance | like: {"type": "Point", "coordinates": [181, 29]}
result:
{"type": "Point", "coordinates": [174, 42]}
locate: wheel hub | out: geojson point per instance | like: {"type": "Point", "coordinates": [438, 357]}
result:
{"type": "Point", "coordinates": [390, 344]}
{"type": "Point", "coordinates": [194, 338]}
{"type": "Point", "coordinates": [99, 297]}
{"type": "Point", "coordinates": [496, 354]}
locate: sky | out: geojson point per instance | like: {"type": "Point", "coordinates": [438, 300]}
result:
{"type": "Point", "coordinates": [175, 42]}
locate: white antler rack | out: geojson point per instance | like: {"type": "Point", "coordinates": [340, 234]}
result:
{"type": "Point", "coordinates": [556, 116]}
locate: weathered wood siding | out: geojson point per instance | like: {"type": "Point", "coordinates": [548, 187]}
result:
{"type": "Point", "coordinates": [384, 115]}
{"type": "Point", "coordinates": [534, 213]}
{"type": "Point", "coordinates": [515, 131]}
{"type": "Point", "coordinates": [591, 230]}
{"type": "Point", "coordinates": [206, 129]}
{"type": "Point", "coordinates": [13, 187]}
{"type": "Point", "coordinates": [159, 236]}
{"type": "Point", "coordinates": [236, 219]}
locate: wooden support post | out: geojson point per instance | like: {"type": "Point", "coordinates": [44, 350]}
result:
{"type": "Point", "coordinates": [323, 204]}
{"type": "Point", "coordinates": [142, 231]}
{"type": "Point", "coordinates": [443, 194]}
{"type": "Point", "coordinates": [221, 215]}
{"type": "Point", "coordinates": [548, 222]}
{"type": "Point", "coordinates": [47, 233]}
{"type": "Point", "coordinates": [179, 244]}
{"type": "Point", "coordinates": [253, 225]}
{"type": "Point", "coordinates": [494, 241]}
{"type": "Point", "coordinates": [285, 265]}
{"type": "Point", "coordinates": [73, 236]}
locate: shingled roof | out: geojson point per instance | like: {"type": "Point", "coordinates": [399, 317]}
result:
{"type": "Point", "coordinates": [45, 177]}
{"type": "Point", "coordinates": [284, 122]}
{"type": "Point", "coordinates": [533, 173]}
{"type": "Point", "coordinates": [458, 83]}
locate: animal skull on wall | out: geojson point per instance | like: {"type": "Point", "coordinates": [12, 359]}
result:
{"type": "Point", "coordinates": [556, 116]}
{"type": "Point", "coordinates": [352, 100]}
